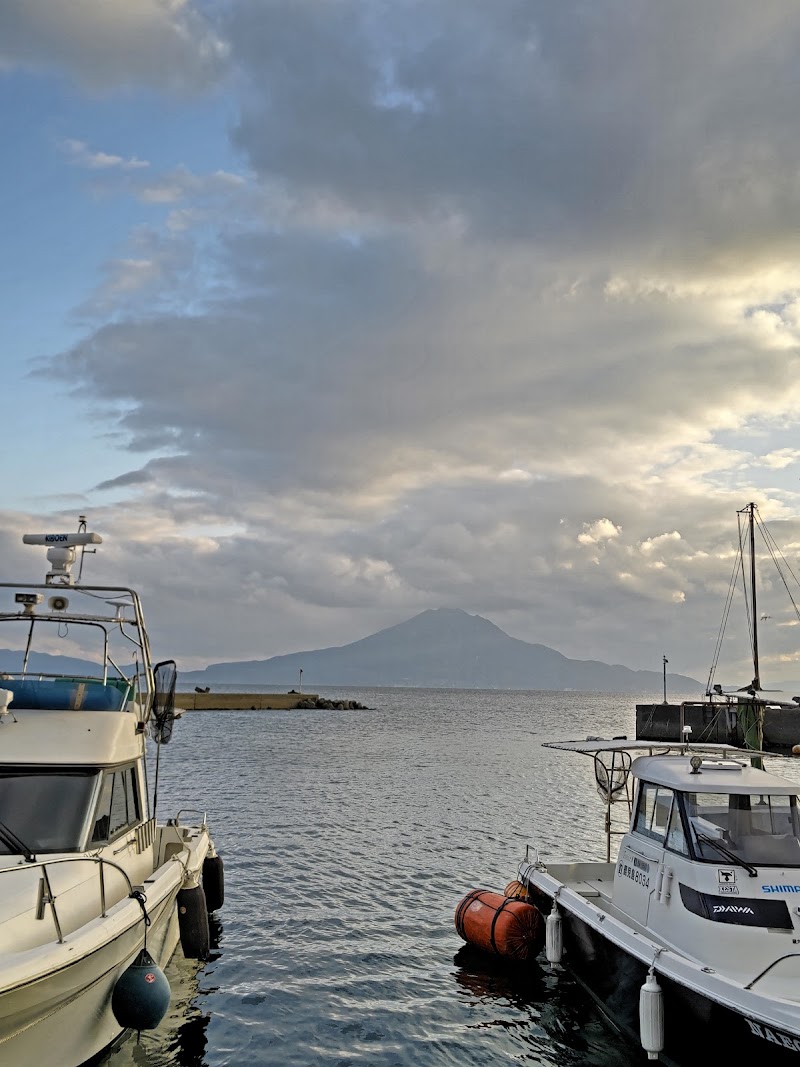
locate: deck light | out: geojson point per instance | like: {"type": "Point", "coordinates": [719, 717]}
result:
{"type": "Point", "coordinates": [696, 763]}
{"type": "Point", "coordinates": [28, 598]}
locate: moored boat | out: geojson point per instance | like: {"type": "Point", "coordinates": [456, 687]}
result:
{"type": "Point", "coordinates": [95, 890]}
{"type": "Point", "coordinates": [690, 934]}
{"type": "Point", "coordinates": [748, 716]}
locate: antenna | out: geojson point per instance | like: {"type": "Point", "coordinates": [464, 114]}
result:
{"type": "Point", "coordinates": [84, 549]}
{"type": "Point", "coordinates": [62, 549]}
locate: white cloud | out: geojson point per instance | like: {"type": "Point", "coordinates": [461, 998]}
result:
{"type": "Point", "coordinates": [781, 458]}
{"type": "Point", "coordinates": [596, 532]}
{"type": "Point", "coordinates": [110, 43]}
{"type": "Point", "coordinates": [659, 543]}
{"type": "Point", "coordinates": [80, 154]}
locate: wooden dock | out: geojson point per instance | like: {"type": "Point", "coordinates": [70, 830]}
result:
{"type": "Point", "coordinates": [240, 701]}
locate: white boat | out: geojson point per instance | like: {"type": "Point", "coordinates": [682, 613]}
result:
{"type": "Point", "coordinates": [688, 938]}
{"type": "Point", "coordinates": [88, 876]}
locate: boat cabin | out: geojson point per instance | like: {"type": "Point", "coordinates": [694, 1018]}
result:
{"type": "Point", "coordinates": [712, 841]}
{"type": "Point", "coordinates": [720, 811]}
{"type": "Point", "coordinates": [73, 774]}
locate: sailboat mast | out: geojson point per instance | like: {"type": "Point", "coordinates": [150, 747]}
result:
{"type": "Point", "coordinates": [756, 680]}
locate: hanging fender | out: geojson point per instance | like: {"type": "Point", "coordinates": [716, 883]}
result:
{"type": "Point", "coordinates": [213, 881]}
{"type": "Point", "coordinates": [193, 923]}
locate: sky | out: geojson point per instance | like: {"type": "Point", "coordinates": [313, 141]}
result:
{"type": "Point", "coordinates": [327, 312]}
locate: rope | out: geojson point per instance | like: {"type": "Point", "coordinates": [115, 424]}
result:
{"type": "Point", "coordinates": [465, 903]}
{"type": "Point", "coordinates": [141, 899]}
{"type": "Point", "coordinates": [775, 552]}
{"type": "Point", "coordinates": [503, 906]}
{"type": "Point", "coordinates": [652, 971]}
{"type": "Point", "coordinates": [724, 621]}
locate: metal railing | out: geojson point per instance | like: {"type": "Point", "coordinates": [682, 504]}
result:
{"type": "Point", "coordinates": [46, 895]}
{"type": "Point", "coordinates": [189, 811]}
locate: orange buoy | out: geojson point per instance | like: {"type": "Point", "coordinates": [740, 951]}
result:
{"type": "Point", "coordinates": [520, 891]}
{"type": "Point", "coordinates": [500, 925]}
{"type": "Point", "coordinates": [516, 890]}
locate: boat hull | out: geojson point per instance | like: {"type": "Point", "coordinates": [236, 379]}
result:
{"type": "Point", "coordinates": [57, 995]}
{"type": "Point", "coordinates": [69, 1009]}
{"type": "Point", "coordinates": [614, 977]}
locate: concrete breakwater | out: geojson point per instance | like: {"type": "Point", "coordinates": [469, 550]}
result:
{"type": "Point", "coordinates": [208, 701]}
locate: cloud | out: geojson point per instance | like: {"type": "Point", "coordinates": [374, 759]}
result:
{"type": "Point", "coordinates": [105, 44]}
{"type": "Point", "coordinates": [781, 458]}
{"type": "Point", "coordinates": [81, 155]}
{"type": "Point", "coordinates": [140, 477]}
{"type": "Point", "coordinates": [181, 184]}
{"type": "Point", "coordinates": [597, 532]}
{"type": "Point", "coordinates": [546, 122]}
{"type": "Point", "coordinates": [504, 316]}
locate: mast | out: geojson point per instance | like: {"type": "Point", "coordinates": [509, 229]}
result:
{"type": "Point", "coordinates": [752, 717]}
{"type": "Point", "coordinates": [751, 510]}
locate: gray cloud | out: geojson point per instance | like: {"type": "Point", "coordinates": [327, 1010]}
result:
{"type": "Point", "coordinates": [567, 123]}
{"type": "Point", "coordinates": [140, 477]}
{"type": "Point", "coordinates": [104, 45]}
{"type": "Point", "coordinates": [502, 273]}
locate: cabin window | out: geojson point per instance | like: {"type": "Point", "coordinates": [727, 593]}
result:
{"type": "Point", "coordinates": [47, 810]}
{"type": "Point", "coordinates": [653, 811]}
{"type": "Point", "coordinates": [118, 807]}
{"type": "Point", "coordinates": [756, 828]}
{"type": "Point", "coordinates": [676, 837]}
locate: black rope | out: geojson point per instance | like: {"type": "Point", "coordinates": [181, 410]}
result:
{"type": "Point", "coordinates": [506, 902]}
{"type": "Point", "coordinates": [775, 552]}
{"type": "Point", "coordinates": [465, 903]}
{"type": "Point", "coordinates": [141, 899]}
{"type": "Point", "coordinates": [724, 621]}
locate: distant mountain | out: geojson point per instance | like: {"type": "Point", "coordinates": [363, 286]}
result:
{"type": "Point", "coordinates": [11, 660]}
{"type": "Point", "coordinates": [441, 648]}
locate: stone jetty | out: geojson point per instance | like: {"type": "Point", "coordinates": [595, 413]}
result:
{"type": "Point", "coordinates": [208, 701]}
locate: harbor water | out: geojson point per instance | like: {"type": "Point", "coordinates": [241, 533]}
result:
{"type": "Point", "coordinates": [348, 839]}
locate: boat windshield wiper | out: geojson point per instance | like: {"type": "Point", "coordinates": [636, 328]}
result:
{"type": "Point", "coordinates": [10, 839]}
{"type": "Point", "coordinates": [706, 840]}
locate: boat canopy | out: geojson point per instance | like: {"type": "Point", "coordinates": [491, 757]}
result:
{"type": "Point", "coordinates": [590, 745]}
{"type": "Point", "coordinates": [712, 776]}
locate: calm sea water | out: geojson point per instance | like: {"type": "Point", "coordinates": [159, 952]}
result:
{"type": "Point", "coordinates": [348, 838]}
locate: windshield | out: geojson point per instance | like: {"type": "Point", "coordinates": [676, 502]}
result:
{"type": "Point", "coordinates": [47, 810]}
{"type": "Point", "coordinates": [756, 828]}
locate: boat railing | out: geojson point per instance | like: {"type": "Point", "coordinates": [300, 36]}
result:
{"type": "Point", "coordinates": [47, 897]}
{"type": "Point", "coordinates": [189, 811]}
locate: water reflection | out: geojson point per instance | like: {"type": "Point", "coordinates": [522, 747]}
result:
{"type": "Point", "coordinates": [367, 828]}
{"type": "Point", "coordinates": [181, 1038]}
{"type": "Point", "coordinates": [554, 1018]}
{"type": "Point", "coordinates": [484, 976]}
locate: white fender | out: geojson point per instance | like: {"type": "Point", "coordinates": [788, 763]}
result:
{"type": "Point", "coordinates": [553, 936]}
{"type": "Point", "coordinates": [651, 1016]}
